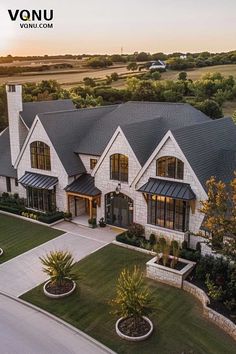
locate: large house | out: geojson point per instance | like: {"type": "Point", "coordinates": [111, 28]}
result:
{"type": "Point", "coordinates": [144, 162]}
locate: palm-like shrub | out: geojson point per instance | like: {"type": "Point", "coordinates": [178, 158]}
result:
{"type": "Point", "coordinates": [59, 266]}
{"type": "Point", "coordinates": [133, 298]}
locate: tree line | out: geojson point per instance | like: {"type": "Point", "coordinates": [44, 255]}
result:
{"type": "Point", "coordinates": [207, 94]}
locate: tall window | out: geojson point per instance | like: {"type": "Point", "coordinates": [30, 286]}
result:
{"type": "Point", "coordinates": [119, 167]}
{"type": "Point", "coordinates": [41, 199]}
{"type": "Point", "coordinates": [168, 212]}
{"type": "Point", "coordinates": [170, 167]}
{"type": "Point", "coordinates": [40, 155]}
{"type": "Point", "coordinates": [8, 184]}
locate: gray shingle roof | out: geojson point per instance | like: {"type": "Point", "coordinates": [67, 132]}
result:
{"type": "Point", "coordinates": [66, 129]}
{"type": "Point", "coordinates": [210, 148]}
{"type": "Point", "coordinates": [6, 168]}
{"type": "Point", "coordinates": [31, 109]}
{"type": "Point", "coordinates": [177, 114]}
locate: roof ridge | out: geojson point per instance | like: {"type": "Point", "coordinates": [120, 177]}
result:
{"type": "Point", "coordinates": [160, 102]}
{"type": "Point", "coordinates": [201, 123]}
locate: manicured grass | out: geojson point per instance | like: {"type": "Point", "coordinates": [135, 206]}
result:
{"type": "Point", "coordinates": [18, 236]}
{"type": "Point", "coordinates": [178, 321]}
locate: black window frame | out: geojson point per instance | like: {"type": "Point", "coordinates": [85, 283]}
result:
{"type": "Point", "coordinates": [169, 213]}
{"type": "Point", "coordinates": [40, 156]}
{"type": "Point", "coordinates": [41, 199]}
{"type": "Point", "coordinates": [11, 88]}
{"type": "Point", "coordinates": [8, 184]}
{"type": "Point", "coordinates": [170, 167]}
{"type": "Point", "coordinates": [117, 171]}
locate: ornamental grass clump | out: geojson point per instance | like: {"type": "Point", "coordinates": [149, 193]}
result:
{"type": "Point", "coordinates": [58, 265]}
{"type": "Point", "coordinates": [133, 299]}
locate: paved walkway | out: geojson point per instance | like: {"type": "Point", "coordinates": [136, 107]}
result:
{"type": "Point", "coordinates": [24, 272]}
{"type": "Point", "coordinates": [26, 330]}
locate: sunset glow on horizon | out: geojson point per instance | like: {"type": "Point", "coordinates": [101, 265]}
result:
{"type": "Point", "coordinates": [105, 26]}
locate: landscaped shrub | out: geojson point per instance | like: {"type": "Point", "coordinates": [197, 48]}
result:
{"type": "Point", "coordinates": [125, 238]}
{"type": "Point", "coordinates": [219, 277]}
{"type": "Point", "coordinates": [136, 230]}
{"type": "Point", "coordinates": [49, 218]}
{"type": "Point", "coordinates": [184, 245]}
{"type": "Point", "coordinates": [152, 240]}
{"type": "Point", "coordinates": [198, 247]}
{"type": "Point", "coordinates": [190, 254]}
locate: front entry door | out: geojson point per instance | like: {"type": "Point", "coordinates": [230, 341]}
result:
{"type": "Point", "coordinates": [119, 210]}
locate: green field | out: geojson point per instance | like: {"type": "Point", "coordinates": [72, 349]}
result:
{"type": "Point", "coordinates": [179, 324]}
{"type": "Point", "coordinates": [18, 236]}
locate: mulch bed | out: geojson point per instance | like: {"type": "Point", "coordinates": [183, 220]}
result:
{"type": "Point", "coordinates": [132, 328]}
{"type": "Point", "coordinates": [58, 290]}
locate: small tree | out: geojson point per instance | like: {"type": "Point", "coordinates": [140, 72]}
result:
{"type": "Point", "coordinates": [114, 76]}
{"type": "Point", "coordinates": [132, 66]}
{"type": "Point", "coordinates": [132, 299]}
{"type": "Point", "coordinates": [182, 76]}
{"type": "Point", "coordinates": [220, 215]}
{"type": "Point", "coordinates": [58, 265]}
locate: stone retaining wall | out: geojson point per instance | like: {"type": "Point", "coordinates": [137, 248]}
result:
{"type": "Point", "coordinates": [220, 320]}
{"type": "Point", "coordinates": [168, 275]}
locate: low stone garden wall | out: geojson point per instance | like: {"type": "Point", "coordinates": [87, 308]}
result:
{"type": "Point", "coordinates": [220, 320]}
{"type": "Point", "coordinates": [168, 275]}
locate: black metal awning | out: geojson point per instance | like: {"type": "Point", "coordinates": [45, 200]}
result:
{"type": "Point", "coordinates": [36, 180]}
{"type": "Point", "coordinates": [171, 189]}
{"type": "Point", "coordinates": [84, 185]}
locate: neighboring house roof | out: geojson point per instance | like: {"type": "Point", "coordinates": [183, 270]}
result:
{"type": "Point", "coordinates": [31, 109]}
{"type": "Point", "coordinates": [171, 189]}
{"type": "Point", "coordinates": [84, 185]}
{"type": "Point", "coordinates": [6, 168]}
{"type": "Point", "coordinates": [210, 148]}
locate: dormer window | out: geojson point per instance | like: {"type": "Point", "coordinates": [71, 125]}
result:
{"type": "Point", "coordinates": [171, 167]}
{"type": "Point", "coordinates": [93, 163]}
{"type": "Point", "coordinates": [40, 155]}
{"type": "Point", "coordinates": [119, 167]}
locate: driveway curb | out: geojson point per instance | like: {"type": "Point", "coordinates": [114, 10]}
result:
{"type": "Point", "coordinates": [60, 321]}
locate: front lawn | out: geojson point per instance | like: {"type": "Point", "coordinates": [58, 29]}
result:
{"type": "Point", "coordinates": [179, 324]}
{"type": "Point", "coordinates": [18, 236]}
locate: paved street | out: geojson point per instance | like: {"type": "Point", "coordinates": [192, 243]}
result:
{"type": "Point", "coordinates": [24, 330]}
{"type": "Point", "coordinates": [24, 272]}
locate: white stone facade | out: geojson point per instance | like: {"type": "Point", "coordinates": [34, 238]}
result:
{"type": "Point", "coordinates": [38, 133]}
{"type": "Point", "coordinates": [137, 175]}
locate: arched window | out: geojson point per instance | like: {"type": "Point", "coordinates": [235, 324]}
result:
{"type": "Point", "coordinates": [40, 155]}
{"type": "Point", "coordinates": [171, 167]}
{"type": "Point", "coordinates": [119, 167]}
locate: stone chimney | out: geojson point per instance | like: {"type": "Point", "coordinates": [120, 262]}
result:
{"type": "Point", "coordinates": [14, 105]}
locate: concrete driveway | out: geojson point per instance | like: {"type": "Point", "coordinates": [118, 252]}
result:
{"type": "Point", "coordinates": [24, 272]}
{"type": "Point", "coordinates": [26, 330]}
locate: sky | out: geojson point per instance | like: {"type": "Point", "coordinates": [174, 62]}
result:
{"type": "Point", "coordinates": [106, 26]}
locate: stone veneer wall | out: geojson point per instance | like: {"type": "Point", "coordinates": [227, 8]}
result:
{"type": "Point", "coordinates": [57, 169]}
{"type": "Point", "coordinates": [3, 186]}
{"type": "Point", "coordinates": [218, 319]}
{"type": "Point", "coordinates": [196, 218]}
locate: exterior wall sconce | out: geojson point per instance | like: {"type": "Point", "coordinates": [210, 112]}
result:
{"type": "Point", "coordinates": [118, 188]}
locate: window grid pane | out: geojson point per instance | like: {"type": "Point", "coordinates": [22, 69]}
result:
{"type": "Point", "coordinates": [40, 155]}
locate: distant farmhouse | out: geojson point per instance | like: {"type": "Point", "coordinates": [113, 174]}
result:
{"type": "Point", "coordinates": [143, 162]}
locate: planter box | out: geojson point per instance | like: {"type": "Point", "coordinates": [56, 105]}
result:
{"type": "Point", "coordinates": [168, 275]}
